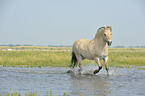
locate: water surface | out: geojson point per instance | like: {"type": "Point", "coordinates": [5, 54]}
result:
{"type": "Point", "coordinates": [119, 82]}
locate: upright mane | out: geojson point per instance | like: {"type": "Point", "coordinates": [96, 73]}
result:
{"type": "Point", "coordinates": [102, 29]}
{"type": "Point", "coordinates": [99, 31]}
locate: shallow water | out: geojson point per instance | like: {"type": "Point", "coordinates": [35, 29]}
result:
{"type": "Point", "coordinates": [119, 82]}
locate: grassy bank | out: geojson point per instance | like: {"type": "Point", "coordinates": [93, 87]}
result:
{"type": "Point", "coordinates": [35, 58]}
{"type": "Point", "coordinates": [61, 57]}
{"type": "Point", "coordinates": [127, 56]}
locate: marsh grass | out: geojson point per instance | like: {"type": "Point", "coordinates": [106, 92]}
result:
{"type": "Point", "coordinates": [118, 57]}
{"type": "Point", "coordinates": [35, 58]}
{"type": "Point", "coordinates": [31, 94]}
{"type": "Point", "coordinates": [127, 57]}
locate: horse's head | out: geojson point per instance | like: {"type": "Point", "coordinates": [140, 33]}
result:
{"type": "Point", "coordinates": [107, 35]}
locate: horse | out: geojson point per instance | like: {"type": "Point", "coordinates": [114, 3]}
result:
{"type": "Point", "coordinates": [95, 49]}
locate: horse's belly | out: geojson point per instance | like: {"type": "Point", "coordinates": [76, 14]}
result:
{"type": "Point", "coordinates": [88, 56]}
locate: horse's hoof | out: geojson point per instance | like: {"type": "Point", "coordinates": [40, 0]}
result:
{"type": "Point", "coordinates": [69, 71]}
{"type": "Point", "coordinates": [96, 71]}
{"type": "Point", "coordinates": [108, 74]}
{"type": "Point", "coordinates": [79, 70]}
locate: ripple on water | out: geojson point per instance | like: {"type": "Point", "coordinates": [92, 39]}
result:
{"type": "Point", "coordinates": [120, 81]}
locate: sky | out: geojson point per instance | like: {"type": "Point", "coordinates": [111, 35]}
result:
{"type": "Point", "coordinates": [62, 22]}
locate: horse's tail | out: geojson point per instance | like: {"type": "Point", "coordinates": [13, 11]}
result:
{"type": "Point", "coordinates": [73, 60]}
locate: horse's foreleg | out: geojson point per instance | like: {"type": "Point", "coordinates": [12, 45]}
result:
{"type": "Point", "coordinates": [99, 64]}
{"type": "Point", "coordinates": [106, 64]}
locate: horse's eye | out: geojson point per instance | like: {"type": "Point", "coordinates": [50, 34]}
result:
{"type": "Point", "coordinates": [104, 34]}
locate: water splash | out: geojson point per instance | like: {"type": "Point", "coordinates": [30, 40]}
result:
{"type": "Point", "coordinates": [89, 70]}
{"type": "Point", "coordinates": [57, 80]}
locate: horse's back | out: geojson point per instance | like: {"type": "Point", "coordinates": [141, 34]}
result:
{"type": "Point", "coordinates": [81, 47]}
{"type": "Point", "coordinates": [81, 43]}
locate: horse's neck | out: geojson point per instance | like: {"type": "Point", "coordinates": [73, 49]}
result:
{"type": "Point", "coordinates": [99, 43]}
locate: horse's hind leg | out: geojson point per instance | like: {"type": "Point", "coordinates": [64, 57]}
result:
{"type": "Point", "coordinates": [99, 64]}
{"type": "Point", "coordinates": [79, 61]}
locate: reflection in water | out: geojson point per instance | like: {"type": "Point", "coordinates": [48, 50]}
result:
{"type": "Point", "coordinates": [121, 81]}
{"type": "Point", "coordinates": [88, 85]}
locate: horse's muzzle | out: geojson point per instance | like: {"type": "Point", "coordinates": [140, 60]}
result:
{"type": "Point", "coordinates": [109, 42]}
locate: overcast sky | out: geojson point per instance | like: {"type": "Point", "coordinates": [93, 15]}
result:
{"type": "Point", "coordinates": [61, 22]}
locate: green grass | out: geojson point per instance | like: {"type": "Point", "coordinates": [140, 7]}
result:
{"type": "Point", "coordinates": [31, 94]}
{"type": "Point", "coordinates": [35, 58]}
{"type": "Point", "coordinates": [60, 57]}
{"type": "Point", "coordinates": [126, 57]}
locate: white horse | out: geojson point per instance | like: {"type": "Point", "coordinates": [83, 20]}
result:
{"type": "Point", "coordinates": [95, 49]}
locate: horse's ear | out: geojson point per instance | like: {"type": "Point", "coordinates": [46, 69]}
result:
{"type": "Point", "coordinates": [110, 28]}
{"type": "Point", "coordinates": [105, 28]}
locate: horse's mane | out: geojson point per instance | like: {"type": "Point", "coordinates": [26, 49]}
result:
{"type": "Point", "coordinates": [105, 27]}
{"type": "Point", "coordinates": [100, 30]}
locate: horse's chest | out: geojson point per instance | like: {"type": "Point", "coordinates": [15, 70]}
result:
{"type": "Point", "coordinates": [101, 54]}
